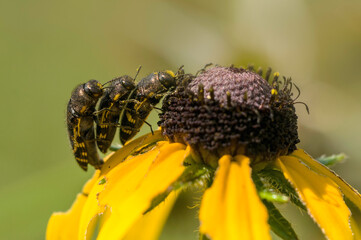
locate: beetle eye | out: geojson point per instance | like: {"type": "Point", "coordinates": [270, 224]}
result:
{"type": "Point", "coordinates": [93, 88]}
{"type": "Point", "coordinates": [128, 84]}
{"type": "Point", "coordinates": [167, 80]}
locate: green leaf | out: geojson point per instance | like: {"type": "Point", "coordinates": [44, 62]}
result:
{"type": "Point", "coordinates": [268, 192]}
{"type": "Point", "coordinates": [279, 225]}
{"type": "Point", "coordinates": [274, 179]}
{"type": "Point", "coordinates": [332, 160]}
{"type": "Point", "coordinates": [194, 175]}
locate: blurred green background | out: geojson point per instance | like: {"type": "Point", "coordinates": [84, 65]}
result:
{"type": "Point", "coordinates": [48, 47]}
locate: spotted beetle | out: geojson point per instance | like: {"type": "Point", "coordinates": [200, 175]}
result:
{"type": "Point", "coordinates": [110, 108]}
{"type": "Point", "coordinates": [147, 94]}
{"type": "Point", "coordinates": [80, 123]}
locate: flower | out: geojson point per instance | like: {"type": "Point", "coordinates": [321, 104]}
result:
{"type": "Point", "coordinates": [232, 134]}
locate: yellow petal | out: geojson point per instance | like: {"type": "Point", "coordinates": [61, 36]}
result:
{"type": "Point", "coordinates": [119, 156]}
{"type": "Point", "coordinates": [91, 211]}
{"type": "Point", "coordinates": [77, 223]}
{"type": "Point", "coordinates": [90, 183]}
{"type": "Point", "coordinates": [230, 208]}
{"type": "Point", "coordinates": [346, 188]}
{"type": "Point", "coordinates": [131, 186]}
{"type": "Point", "coordinates": [66, 225]}
{"type": "Point", "coordinates": [356, 229]}
{"type": "Point", "coordinates": [321, 196]}
{"type": "Point", "coordinates": [130, 170]}
{"type": "Point", "coordinates": [150, 225]}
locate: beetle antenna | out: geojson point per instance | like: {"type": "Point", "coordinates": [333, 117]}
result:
{"type": "Point", "coordinates": [138, 70]}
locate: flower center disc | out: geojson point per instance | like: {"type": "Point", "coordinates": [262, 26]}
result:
{"type": "Point", "coordinates": [228, 110]}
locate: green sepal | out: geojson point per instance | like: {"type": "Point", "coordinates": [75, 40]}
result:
{"type": "Point", "coordinates": [332, 160]}
{"type": "Point", "coordinates": [194, 175]}
{"type": "Point", "coordinates": [274, 179]}
{"type": "Point", "coordinates": [279, 225]}
{"type": "Point", "coordinates": [272, 196]}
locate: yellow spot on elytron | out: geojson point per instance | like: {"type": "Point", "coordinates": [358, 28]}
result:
{"type": "Point", "coordinates": [276, 74]}
{"type": "Point", "coordinates": [274, 92]}
{"type": "Point", "coordinates": [127, 131]}
{"type": "Point", "coordinates": [129, 117]}
{"type": "Point", "coordinates": [140, 104]}
{"type": "Point", "coordinates": [76, 130]}
{"type": "Point", "coordinates": [170, 73]}
{"type": "Point", "coordinates": [102, 136]}
{"type": "Point", "coordinates": [116, 97]}
{"type": "Point", "coordinates": [82, 110]}
{"type": "Point", "coordinates": [74, 133]}
{"type": "Point", "coordinates": [82, 160]}
{"type": "Point", "coordinates": [84, 154]}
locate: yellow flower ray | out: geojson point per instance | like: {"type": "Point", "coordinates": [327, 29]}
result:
{"type": "Point", "coordinates": [131, 170]}
{"type": "Point", "coordinates": [128, 200]}
{"type": "Point", "coordinates": [151, 224]}
{"type": "Point", "coordinates": [356, 229]}
{"type": "Point", "coordinates": [346, 188]}
{"type": "Point", "coordinates": [322, 197]}
{"type": "Point", "coordinates": [65, 225]}
{"type": "Point", "coordinates": [119, 156]}
{"type": "Point", "coordinates": [91, 212]}
{"type": "Point", "coordinates": [230, 208]}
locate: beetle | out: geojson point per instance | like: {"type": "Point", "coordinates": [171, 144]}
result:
{"type": "Point", "coordinates": [80, 123]}
{"type": "Point", "coordinates": [148, 93]}
{"type": "Point", "coordinates": [110, 107]}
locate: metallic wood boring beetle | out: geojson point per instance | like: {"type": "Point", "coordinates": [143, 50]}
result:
{"type": "Point", "coordinates": [147, 94]}
{"type": "Point", "coordinates": [111, 106]}
{"type": "Point", "coordinates": [80, 123]}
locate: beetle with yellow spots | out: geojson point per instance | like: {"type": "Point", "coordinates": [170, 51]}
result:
{"type": "Point", "coordinates": [110, 108]}
{"type": "Point", "coordinates": [80, 123]}
{"type": "Point", "coordinates": [148, 93]}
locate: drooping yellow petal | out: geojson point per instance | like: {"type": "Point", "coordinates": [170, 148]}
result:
{"type": "Point", "coordinates": [119, 156]}
{"type": "Point", "coordinates": [321, 196]}
{"type": "Point", "coordinates": [80, 224]}
{"type": "Point", "coordinates": [346, 188]}
{"type": "Point", "coordinates": [91, 212]}
{"type": "Point", "coordinates": [131, 186]}
{"type": "Point", "coordinates": [150, 225]}
{"type": "Point", "coordinates": [356, 229]}
{"type": "Point", "coordinates": [64, 226]}
{"type": "Point", "coordinates": [132, 171]}
{"type": "Point", "coordinates": [230, 208]}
